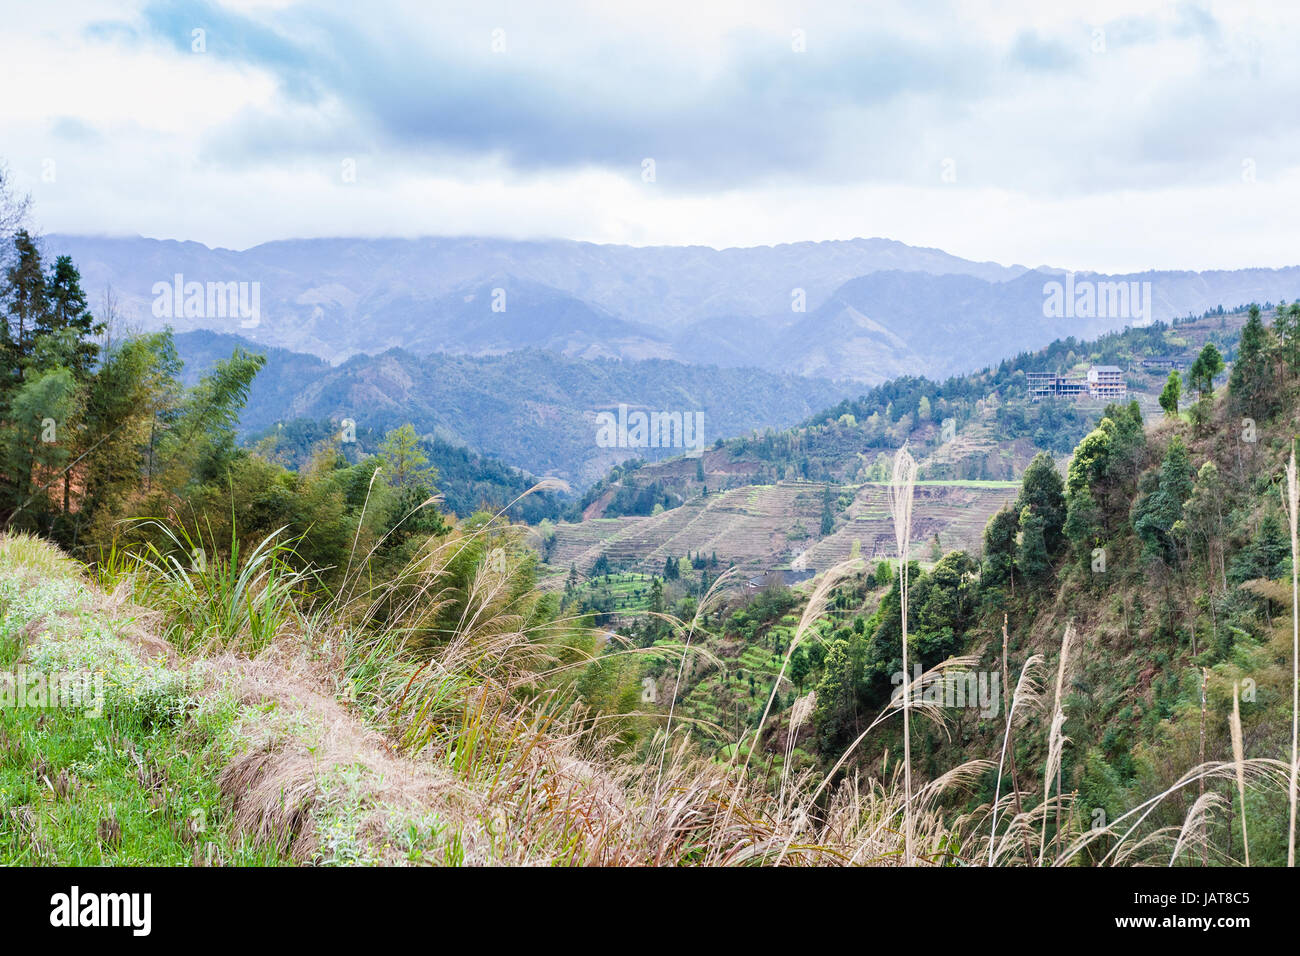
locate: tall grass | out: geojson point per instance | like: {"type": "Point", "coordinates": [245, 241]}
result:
{"type": "Point", "coordinates": [900, 505]}
{"type": "Point", "coordinates": [1292, 501]}
{"type": "Point", "coordinates": [1056, 741]}
{"type": "Point", "coordinates": [215, 600]}
{"type": "Point", "coordinates": [1239, 762]}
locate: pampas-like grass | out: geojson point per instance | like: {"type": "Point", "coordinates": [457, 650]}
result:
{"type": "Point", "coordinates": [1026, 695]}
{"type": "Point", "coordinates": [1292, 511]}
{"type": "Point", "coordinates": [1264, 770]}
{"type": "Point", "coordinates": [1195, 829]}
{"type": "Point", "coordinates": [1055, 742]}
{"type": "Point", "coordinates": [1239, 759]}
{"type": "Point", "coordinates": [900, 505]}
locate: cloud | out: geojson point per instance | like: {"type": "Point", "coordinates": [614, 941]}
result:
{"type": "Point", "coordinates": [868, 101]}
{"type": "Point", "coordinates": [906, 119]}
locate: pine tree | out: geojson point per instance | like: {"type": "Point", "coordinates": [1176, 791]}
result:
{"type": "Point", "coordinates": [26, 303]}
{"type": "Point", "coordinates": [67, 310]}
{"type": "Point", "coordinates": [1286, 326]}
{"type": "Point", "coordinates": [1251, 380]}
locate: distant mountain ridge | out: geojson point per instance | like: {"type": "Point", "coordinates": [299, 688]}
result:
{"type": "Point", "coordinates": [872, 309]}
{"type": "Point", "coordinates": [533, 409]}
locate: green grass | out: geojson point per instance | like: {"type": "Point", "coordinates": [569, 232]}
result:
{"type": "Point", "coordinates": [621, 588]}
{"type": "Point", "coordinates": [64, 776]}
{"type": "Point", "coordinates": [128, 776]}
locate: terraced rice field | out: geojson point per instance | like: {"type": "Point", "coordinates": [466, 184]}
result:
{"type": "Point", "coordinates": [761, 527]}
{"type": "Point", "coordinates": [957, 511]}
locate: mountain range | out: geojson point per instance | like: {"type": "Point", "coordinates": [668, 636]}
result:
{"type": "Point", "coordinates": [864, 310]}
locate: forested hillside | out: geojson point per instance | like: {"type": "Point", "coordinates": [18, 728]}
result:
{"type": "Point", "coordinates": [1146, 593]}
{"type": "Point", "coordinates": [531, 409]}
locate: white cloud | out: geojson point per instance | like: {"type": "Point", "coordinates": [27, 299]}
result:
{"type": "Point", "coordinates": [1119, 160]}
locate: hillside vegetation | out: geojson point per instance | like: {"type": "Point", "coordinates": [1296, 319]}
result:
{"type": "Point", "coordinates": [331, 668]}
{"type": "Point", "coordinates": [1146, 593]}
{"type": "Point", "coordinates": [994, 430]}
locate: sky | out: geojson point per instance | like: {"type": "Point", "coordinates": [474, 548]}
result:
{"type": "Point", "coordinates": [1114, 136]}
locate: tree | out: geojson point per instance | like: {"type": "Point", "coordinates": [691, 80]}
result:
{"type": "Point", "coordinates": [405, 462]}
{"type": "Point", "coordinates": [945, 606]}
{"type": "Point", "coordinates": [29, 460]}
{"type": "Point", "coordinates": [835, 698]}
{"type": "Point", "coordinates": [67, 310]}
{"type": "Point", "coordinates": [1042, 492]}
{"type": "Point", "coordinates": [200, 445]}
{"type": "Point", "coordinates": [13, 208]}
{"type": "Point", "coordinates": [1083, 522]}
{"type": "Point", "coordinates": [1251, 378]}
{"type": "Point", "coordinates": [999, 549]}
{"type": "Point", "coordinates": [1264, 555]}
{"type": "Point", "coordinates": [1161, 507]}
{"type": "Point", "coordinates": [1203, 511]}
{"type": "Point", "coordinates": [1286, 326]}
{"type": "Point", "coordinates": [1031, 551]}
{"type": "Point", "coordinates": [1172, 392]}
{"type": "Point", "coordinates": [1207, 367]}
{"type": "Point", "coordinates": [25, 299]}
{"type": "Point", "coordinates": [130, 404]}
{"type": "Point", "coordinates": [799, 668]}
{"type": "Point", "coordinates": [1091, 458]}
{"type": "Point", "coordinates": [656, 599]}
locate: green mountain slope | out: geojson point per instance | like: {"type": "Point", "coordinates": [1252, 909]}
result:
{"type": "Point", "coordinates": [534, 410]}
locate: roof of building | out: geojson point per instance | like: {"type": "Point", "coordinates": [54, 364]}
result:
{"type": "Point", "coordinates": [1107, 368]}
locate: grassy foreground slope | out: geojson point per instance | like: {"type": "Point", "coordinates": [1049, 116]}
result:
{"type": "Point", "coordinates": [207, 760]}
{"type": "Point", "coordinates": [230, 753]}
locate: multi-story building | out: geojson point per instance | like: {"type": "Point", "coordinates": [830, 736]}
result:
{"type": "Point", "coordinates": [1102, 382]}
{"type": "Point", "coordinates": [1107, 382]}
{"type": "Point", "coordinates": [1043, 384]}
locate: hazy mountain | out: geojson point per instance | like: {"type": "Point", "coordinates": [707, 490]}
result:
{"type": "Point", "coordinates": [886, 324]}
{"type": "Point", "coordinates": [532, 409]}
{"type": "Point", "coordinates": [871, 308]}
